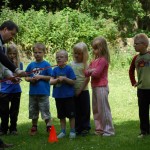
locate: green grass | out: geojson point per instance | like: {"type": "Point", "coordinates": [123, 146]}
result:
{"type": "Point", "coordinates": [124, 107]}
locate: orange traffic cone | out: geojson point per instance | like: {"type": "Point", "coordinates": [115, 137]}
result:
{"type": "Point", "coordinates": [52, 135]}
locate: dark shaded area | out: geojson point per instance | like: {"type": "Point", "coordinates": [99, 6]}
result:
{"type": "Point", "coordinates": [39, 4]}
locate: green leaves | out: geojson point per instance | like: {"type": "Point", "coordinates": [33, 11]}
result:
{"type": "Point", "coordinates": [60, 30]}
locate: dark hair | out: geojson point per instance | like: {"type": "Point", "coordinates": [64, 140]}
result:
{"type": "Point", "coordinates": [10, 25]}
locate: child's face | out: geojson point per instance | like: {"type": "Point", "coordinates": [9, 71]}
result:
{"type": "Point", "coordinates": [96, 52]}
{"type": "Point", "coordinates": [96, 48]}
{"type": "Point", "coordinates": [61, 59]}
{"type": "Point", "coordinates": [78, 56]}
{"type": "Point", "coordinates": [38, 54]}
{"type": "Point", "coordinates": [12, 54]}
{"type": "Point", "coordinates": [139, 46]}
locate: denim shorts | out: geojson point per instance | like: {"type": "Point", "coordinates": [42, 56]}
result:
{"type": "Point", "coordinates": [39, 103]}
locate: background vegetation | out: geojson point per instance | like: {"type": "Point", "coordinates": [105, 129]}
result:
{"type": "Point", "coordinates": [70, 21]}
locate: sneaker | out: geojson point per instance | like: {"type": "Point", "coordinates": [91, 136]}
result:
{"type": "Point", "coordinates": [48, 128]}
{"type": "Point", "coordinates": [141, 135]}
{"type": "Point", "coordinates": [72, 135]}
{"type": "Point", "coordinates": [84, 132]}
{"type": "Point", "coordinates": [33, 130]}
{"type": "Point", "coordinates": [14, 133]}
{"type": "Point", "coordinates": [98, 133]}
{"type": "Point", "coordinates": [61, 135]}
{"type": "Point", "coordinates": [107, 134]}
{"type": "Point", "coordinates": [4, 145]}
{"type": "Point", "coordinates": [2, 133]}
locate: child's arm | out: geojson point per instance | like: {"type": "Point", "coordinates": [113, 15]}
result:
{"type": "Point", "coordinates": [9, 75]}
{"type": "Point", "coordinates": [88, 71]}
{"type": "Point", "coordinates": [132, 72]}
{"type": "Point", "coordinates": [30, 79]}
{"type": "Point", "coordinates": [54, 81]}
{"type": "Point", "coordinates": [66, 80]}
{"type": "Point", "coordinates": [42, 77]}
{"type": "Point", "coordinates": [99, 68]}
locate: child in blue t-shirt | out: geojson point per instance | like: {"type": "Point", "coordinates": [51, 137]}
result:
{"type": "Point", "coordinates": [63, 79]}
{"type": "Point", "coordinates": [10, 96]}
{"type": "Point", "coordinates": [39, 88]}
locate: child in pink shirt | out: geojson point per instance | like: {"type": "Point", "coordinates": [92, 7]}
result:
{"type": "Point", "coordinates": [98, 70]}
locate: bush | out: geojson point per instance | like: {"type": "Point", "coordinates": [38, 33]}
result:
{"type": "Point", "coordinates": [58, 31]}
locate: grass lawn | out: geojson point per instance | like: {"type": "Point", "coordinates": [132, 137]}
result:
{"type": "Point", "coordinates": [123, 102]}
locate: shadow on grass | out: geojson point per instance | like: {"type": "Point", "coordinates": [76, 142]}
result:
{"type": "Point", "coordinates": [125, 138]}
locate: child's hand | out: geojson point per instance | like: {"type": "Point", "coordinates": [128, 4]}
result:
{"type": "Point", "coordinates": [20, 73]}
{"type": "Point", "coordinates": [90, 70]}
{"type": "Point", "coordinates": [15, 80]}
{"type": "Point", "coordinates": [38, 77]}
{"type": "Point", "coordinates": [61, 79]}
{"type": "Point", "coordinates": [136, 84]}
{"type": "Point", "coordinates": [78, 93]}
{"type": "Point", "coordinates": [33, 80]}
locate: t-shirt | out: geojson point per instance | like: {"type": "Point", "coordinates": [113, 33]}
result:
{"type": "Point", "coordinates": [141, 63]}
{"type": "Point", "coordinates": [8, 86]}
{"type": "Point", "coordinates": [63, 90]}
{"type": "Point", "coordinates": [41, 87]}
{"type": "Point", "coordinates": [78, 69]}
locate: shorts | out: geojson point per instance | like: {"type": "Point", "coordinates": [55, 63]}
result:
{"type": "Point", "coordinates": [39, 103]}
{"type": "Point", "coordinates": [65, 107]}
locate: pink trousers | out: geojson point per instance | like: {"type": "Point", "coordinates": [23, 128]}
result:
{"type": "Point", "coordinates": [101, 111]}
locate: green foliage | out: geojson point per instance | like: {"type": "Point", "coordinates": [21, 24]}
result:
{"type": "Point", "coordinates": [124, 13]}
{"type": "Point", "coordinates": [121, 57]}
{"type": "Point", "coordinates": [60, 30]}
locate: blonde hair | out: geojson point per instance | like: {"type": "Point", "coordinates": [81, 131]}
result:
{"type": "Point", "coordinates": [14, 47]}
{"type": "Point", "coordinates": [39, 46]}
{"type": "Point", "coordinates": [101, 44]}
{"type": "Point", "coordinates": [82, 47]}
{"type": "Point", "coordinates": [64, 52]}
{"type": "Point", "coordinates": [143, 38]}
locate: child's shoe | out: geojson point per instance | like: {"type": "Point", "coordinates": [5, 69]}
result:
{"type": "Point", "coordinates": [14, 133]}
{"type": "Point", "coordinates": [33, 130]}
{"type": "Point", "coordinates": [61, 135]}
{"type": "Point", "coordinates": [72, 135]}
{"type": "Point", "coordinates": [107, 134]}
{"type": "Point", "coordinates": [142, 135]}
{"type": "Point", "coordinates": [85, 132]}
{"type": "Point", "coordinates": [3, 133]}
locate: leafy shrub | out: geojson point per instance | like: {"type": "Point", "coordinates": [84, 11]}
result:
{"type": "Point", "coordinates": [58, 31]}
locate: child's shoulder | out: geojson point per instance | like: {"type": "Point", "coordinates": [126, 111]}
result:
{"type": "Point", "coordinates": [68, 67]}
{"type": "Point", "coordinates": [46, 62]}
{"type": "Point", "coordinates": [31, 63]}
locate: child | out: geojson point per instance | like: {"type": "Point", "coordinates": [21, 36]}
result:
{"type": "Point", "coordinates": [63, 79]}
{"type": "Point", "coordinates": [98, 70]}
{"type": "Point", "coordinates": [82, 98]}
{"type": "Point", "coordinates": [10, 95]}
{"type": "Point", "coordinates": [39, 88]}
{"type": "Point", "coordinates": [141, 63]}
